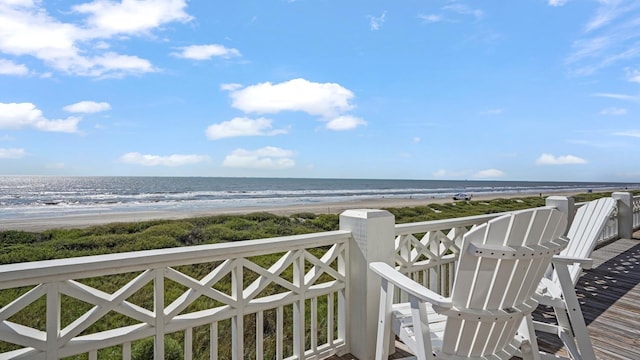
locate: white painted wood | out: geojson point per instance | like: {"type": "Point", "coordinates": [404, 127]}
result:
{"type": "Point", "coordinates": [557, 289]}
{"type": "Point", "coordinates": [126, 351]}
{"type": "Point", "coordinates": [53, 320]}
{"type": "Point", "coordinates": [237, 321]}
{"type": "Point", "coordinates": [188, 344]}
{"type": "Point", "coordinates": [330, 317]}
{"type": "Point", "coordinates": [259, 335]}
{"type": "Point", "coordinates": [372, 240]}
{"type": "Point", "coordinates": [279, 332]}
{"type": "Point", "coordinates": [55, 278]}
{"type": "Point", "coordinates": [491, 296]}
{"type": "Point", "coordinates": [625, 214]}
{"type": "Point", "coordinates": [299, 309]}
{"type": "Point", "coordinates": [213, 341]}
{"type": "Point", "coordinates": [635, 208]}
{"type": "Point", "coordinates": [158, 304]}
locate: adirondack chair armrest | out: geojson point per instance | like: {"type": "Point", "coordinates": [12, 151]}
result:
{"type": "Point", "coordinates": [496, 251]}
{"type": "Point", "coordinates": [586, 263]}
{"type": "Point", "coordinates": [411, 287]}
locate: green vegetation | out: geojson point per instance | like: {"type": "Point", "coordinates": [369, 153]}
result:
{"type": "Point", "coordinates": [20, 246]}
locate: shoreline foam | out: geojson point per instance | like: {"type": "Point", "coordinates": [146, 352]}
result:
{"type": "Point", "coordinates": [87, 220]}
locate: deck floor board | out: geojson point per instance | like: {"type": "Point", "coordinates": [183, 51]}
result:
{"type": "Point", "coordinates": [609, 294]}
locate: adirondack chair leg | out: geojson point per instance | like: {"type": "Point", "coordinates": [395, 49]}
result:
{"type": "Point", "coordinates": [575, 314]}
{"type": "Point", "coordinates": [384, 321]}
{"type": "Point", "coordinates": [421, 329]}
{"type": "Point", "coordinates": [529, 346]}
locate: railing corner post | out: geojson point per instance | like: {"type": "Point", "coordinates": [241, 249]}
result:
{"type": "Point", "coordinates": [566, 204]}
{"type": "Point", "coordinates": [625, 214]}
{"type": "Point", "coordinates": [373, 233]}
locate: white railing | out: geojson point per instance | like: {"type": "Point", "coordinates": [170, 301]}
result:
{"type": "Point", "coordinates": [636, 212]}
{"type": "Point", "coordinates": [276, 289]}
{"type": "Point", "coordinates": [427, 251]}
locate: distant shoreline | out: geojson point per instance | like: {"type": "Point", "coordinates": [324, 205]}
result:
{"type": "Point", "coordinates": [87, 220]}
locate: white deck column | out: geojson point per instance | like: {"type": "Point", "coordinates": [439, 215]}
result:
{"type": "Point", "coordinates": [373, 240]}
{"type": "Point", "coordinates": [565, 204]}
{"type": "Point", "coordinates": [625, 214]}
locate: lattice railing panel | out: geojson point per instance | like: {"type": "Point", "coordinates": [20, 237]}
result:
{"type": "Point", "coordinates": [285, 299]}
{"type": "Point", "coordinates": [427, 252]}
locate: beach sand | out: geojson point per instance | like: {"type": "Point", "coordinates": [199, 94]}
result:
{"type": "Point", "coordinates": [82, 221]}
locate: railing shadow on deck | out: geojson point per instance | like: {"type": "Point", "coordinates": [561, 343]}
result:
{"type": "Point", "coordinates": [598, 290]}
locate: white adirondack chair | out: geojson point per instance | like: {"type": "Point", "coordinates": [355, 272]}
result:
{"type": "Point", "coordinates": [557, 289]}
{"type": "Point", "coordinates": [500, 266]}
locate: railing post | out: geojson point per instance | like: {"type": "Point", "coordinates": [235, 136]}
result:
{"type": "Point", "coordinates": [565, 204]}
{"type": "Point", "coordinates": [373, 233]}
{"type": "Point", "coordinates": [625, 214]}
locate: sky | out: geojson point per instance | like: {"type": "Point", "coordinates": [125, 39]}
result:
{"type": "Point", "coordinates": [540, 90]}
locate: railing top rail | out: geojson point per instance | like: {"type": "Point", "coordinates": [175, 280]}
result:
{"type": "Point", "coordinates": [38, 272]}
{"type": "Point", "coordinates": [447, 223]}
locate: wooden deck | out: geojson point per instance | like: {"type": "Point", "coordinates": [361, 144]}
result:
{"type": "Point", "coordinates": [610, 298]}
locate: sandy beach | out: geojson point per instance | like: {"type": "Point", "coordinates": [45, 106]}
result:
{"type": "Point", "coordinates": [82, 221]}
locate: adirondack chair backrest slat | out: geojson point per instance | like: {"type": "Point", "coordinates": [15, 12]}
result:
{"type": "Point", "coordinates": [585, 228]}
{"type": "Point", "coordinates": [490, 285]}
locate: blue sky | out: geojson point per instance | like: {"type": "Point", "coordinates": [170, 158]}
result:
{"type": "Point", "coordinates": [495, 90]}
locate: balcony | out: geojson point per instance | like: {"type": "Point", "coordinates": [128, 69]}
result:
{"type": "Point", "coordinates": [299, 297]}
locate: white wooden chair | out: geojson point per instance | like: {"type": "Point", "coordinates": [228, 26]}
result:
{"type": "Point", "coordinates": [557, 288]}
{"type": "Point", "coordinates": [500, 266]}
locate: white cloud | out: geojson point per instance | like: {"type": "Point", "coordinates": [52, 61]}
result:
{"type": "Point", "coordinates": [325, 99]}
{"type": "Point", "coordinates": [549, 159]}
{"type": "Point", "coordinates": [464, 10]}
{"type": "Point", "coordinates": [633, 75]}
{"type": "Point", "coordinates": [265, 158]}
{"type": "Point", "coordinates": [87, 107]}
{"type": "Point", "coordinates": [27, 115]}
{"type": "Point", "coordinates": [206, 52]}
{"type": "Point", "coordinates": [328, 100]}
{"type": "Point", "coordinates": [488, 173]}
{"type": "Point", "coordinates": [8, 67]}
{"type": "Point", "coordinates": [618, 96]}
{"type": "Point", "coordinates": [606, 13]}
{"type": "Point", "coordinates": [157, 160]}
{"type": "Point", "coordinates": [631, 133]}
{"type": "Point", "coordinates": [430, 18]}
{"type": "Point", "coordinates": [242, 126]}
{"type": "Point", "coordinates": [557, 2]}
{"type": "Point", "coordinates": [12, 153]}
{"type": "Point", "coordinates": [230, 87]}
{"type": "Point", "coordinates": [24, 3]}
{"type": "Point", "coordinates": [452, 14]}
{"type": "Point", "coordinates": [416, 139]}
{"type": "Point", "coordinates": [345, 122]}
{"type": "Point", "coordinates": [610, 37]}
{"type": "Point", "coordinates": [107, 18]}
{"type": "Point", "coordinates": [116, 65]}
{"type": "Point", "coordinates": [375, 22]}
{"type": "Point", "coordinates": [27, 29]}
{"type": "Point", "coordinates": [613, 111]}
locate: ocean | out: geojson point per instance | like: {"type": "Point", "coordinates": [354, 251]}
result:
{"type": "Point", "coordinates": [52, 196]}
